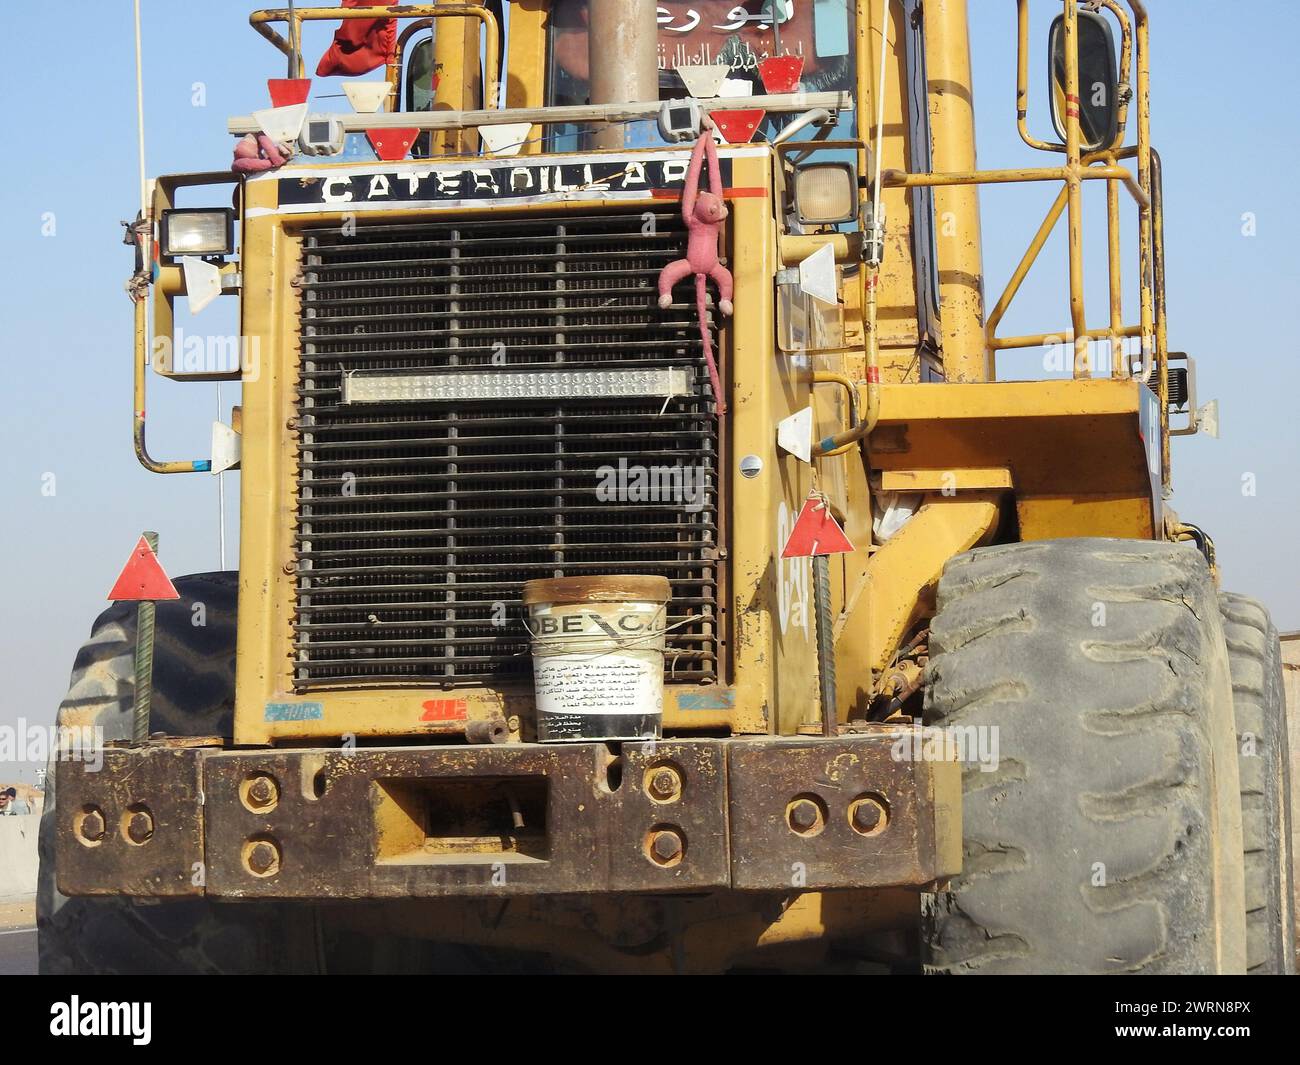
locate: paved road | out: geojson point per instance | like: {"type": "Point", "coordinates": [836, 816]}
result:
{"type": "Point", "coordinates": [18, 952]}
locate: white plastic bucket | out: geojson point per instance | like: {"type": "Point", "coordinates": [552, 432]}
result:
{"type": "Point", "coordinates": [598, 657]}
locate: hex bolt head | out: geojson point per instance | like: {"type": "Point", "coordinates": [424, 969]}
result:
{"type": "Point", "coordinates": [804, 816]}
{"type": "Point", "coordinates": [139, 827]}
{"type": "Point", "coordinates": [92, 826]}
{"type": "Point", "coordinates": [665, 784]}
{"type": "Point", "coordinates": [666, 846]}
{"type": "Point", "coordinates": [262, 792]}
{"type": "Point", "coordinates": [262, 858]}
{"type": "Point", "coordinates": [867, 816]}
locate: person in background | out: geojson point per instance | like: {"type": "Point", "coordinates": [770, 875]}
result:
{"type": "Point", "coordinates": [11, 805]}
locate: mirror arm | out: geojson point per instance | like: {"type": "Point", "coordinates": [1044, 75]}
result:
{"type": "Point", "coordinates": [1022, 83]}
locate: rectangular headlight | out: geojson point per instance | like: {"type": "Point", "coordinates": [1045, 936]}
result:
{"type": "Point", "coordinates": [199, 231]}
{"type": "Point", "coordinates": [469, 387]}
{"type": "Point", "coordinates": [826, 194]}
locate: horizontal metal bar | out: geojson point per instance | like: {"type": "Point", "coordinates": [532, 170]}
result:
{"type": "Point", "coordinates": [569, 546]}
{"type": "Point", "coordinates": [776, 103]}
{"type": "Point", "coordinates": [318, 591]}
{"type": "Point", "coordinates": [498, 458]}
{"type": "Point", "coordinates": [568, 439]}
{"type": "Point", "coordinates": [362, 667]}
{"type": "Point", "coordinates": [660, 242]}
{"type": "Point", "coordinates": [1038, 340]}
{"type": "Point", "coordinates": [524, 417]}
{"type": "Point", "coordinates": [606, 564]}
{"type": "Point", "coordinates": [461, 532]}
{"type": "Point", "coordinates": [325, 287]}
{"type": "Point", "coordinates": [456, 606]}
{"type": "Point", "coordinates": [578, 316]}
{"type": "Point", "coordinates": [587, 487]}
{"type": "Point", "coordinates": [486, 493]}
{"type": "Point", "coordinates": [603, 222]}
{"type": "Point", "coordinates": [502, 329]}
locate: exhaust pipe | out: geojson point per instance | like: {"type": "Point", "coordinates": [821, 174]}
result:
{"type": "Point", "coordinates": [623, 44]}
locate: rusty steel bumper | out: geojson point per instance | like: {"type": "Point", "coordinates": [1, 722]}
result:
{"type": "Point", "coordinates": [412, 822]}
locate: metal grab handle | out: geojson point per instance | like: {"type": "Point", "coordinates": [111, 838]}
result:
{"type": "Point", "coordinates": [854, 430]}
{"type": "Point", "coordinates": [141, 368]}
{"type": "Point", "coordinates": [818, 116]}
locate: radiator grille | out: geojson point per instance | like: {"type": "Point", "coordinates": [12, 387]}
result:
{"type": "Point", "coordinates": [417, 524]}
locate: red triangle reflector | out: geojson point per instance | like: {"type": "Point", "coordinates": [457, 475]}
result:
{"type": "Point", "coordinates": [738, 126]}
{"type": "Point", "coordinates": [391, 145]}
{"type": "Point", "coordinates": [816, 532]}
{"type": "Point", "coordinates": [143, 578]}
{"type": "Point", "coordinates": [781, 73]}
{"type": "Point", "coordinates": [285, 92]}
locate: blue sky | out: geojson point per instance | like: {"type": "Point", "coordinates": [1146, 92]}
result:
{"type": "Point", "coordinates": [77, 500]}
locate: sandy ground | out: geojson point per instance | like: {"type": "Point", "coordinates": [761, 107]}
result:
{"type": "Point", "coordinates": [17, 913]}
{"type": "Point", "coordinates": [18, 937]}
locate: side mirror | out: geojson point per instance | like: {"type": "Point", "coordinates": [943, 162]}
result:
{"type": "Point", "coordinates": [1098, 80]}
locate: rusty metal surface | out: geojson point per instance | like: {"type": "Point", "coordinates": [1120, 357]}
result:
{"type": "Point", "coordinates": [793, 803]}
{"type": "Point", "coordinates": [147, 803]}
{"type": "Point", "coordinates": [373, 833]}
{"type": "Point", "coordinates": [513, 819]}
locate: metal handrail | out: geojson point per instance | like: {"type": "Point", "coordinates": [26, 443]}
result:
{"type": "Point", "coordinates": [295, 17]}
{"type": "Point", "coordinates": [1099, 165]}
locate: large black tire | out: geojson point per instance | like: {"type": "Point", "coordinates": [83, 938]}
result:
{"type": "Point", "coordinates": [1106, 840]}
{"type": "Point", "coordinates": [193, 695]}
{"type": "Point", "coordinates": [1263, 766]}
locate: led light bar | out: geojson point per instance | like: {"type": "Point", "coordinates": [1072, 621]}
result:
{"type": "Point", "coordinates": [480, 386]}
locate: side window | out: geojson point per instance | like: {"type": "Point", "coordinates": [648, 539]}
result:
{"type": "Point", "coordinates": [418, 92]}
{"type": "Point", "coordinates": [419, 77]}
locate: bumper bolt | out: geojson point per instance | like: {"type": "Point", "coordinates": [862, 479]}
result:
{"type": "Point", "coordinates": [92, 827]}
{"type": "Point", "coordinates": [139, 827]}
{"type": "Point", "coordinates": [804, 816]}
{"type": "Point", "coordinates": [261, 793]}
{"type": "Point", "coordinates": [262, 858]}
{"type": "Point", "coordinates": [867, 816]}
{"type": "Point", "coordinates": [665, 784]}
{"type": "Point", "coordinates": [666, 847]}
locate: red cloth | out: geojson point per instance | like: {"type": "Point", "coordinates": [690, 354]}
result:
{"type": "Point", "coordinates": [360, 44]}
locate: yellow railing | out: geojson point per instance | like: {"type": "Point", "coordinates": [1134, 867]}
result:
{"type": "Point", "coordinates": [292, 47]}
{"type": "Point", "coordinates": [1101, 165]}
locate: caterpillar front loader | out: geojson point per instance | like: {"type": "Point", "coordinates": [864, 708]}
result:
{"type": "Point", "coordinates": [1010, 725]}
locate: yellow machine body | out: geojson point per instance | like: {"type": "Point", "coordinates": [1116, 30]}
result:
{"type": "Point", "coordinates": [901, 374]}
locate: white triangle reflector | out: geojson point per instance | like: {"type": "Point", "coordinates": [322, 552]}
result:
{"type": "Point", "coordinates": [1208, 419]}
{"type": "Point", "coordinates": [227, 447]}
{"type": "Point", "coordinates": [282, 124]}
{"type": "Point", "coordinates": [367, 97]}
{"type": "Point", "coordinates": [704, 81]}
{"type": "Point", "coordinates": [202, 282]}
{"type": "Point", "coordinates": [817, 275]}
{"type": "Point", "coordinates": [505, 140]}
{"type": "Point", "coordinates": [795, 434]}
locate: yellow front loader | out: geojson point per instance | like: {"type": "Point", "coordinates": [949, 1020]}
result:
{"type": "Point", "coordinates": [995, 733]}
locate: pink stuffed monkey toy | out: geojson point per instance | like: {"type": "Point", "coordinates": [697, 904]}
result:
{"type": "Point", "coordinates": [703, 213]}
{"type": "Point", "coordinates": [254, 154]}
